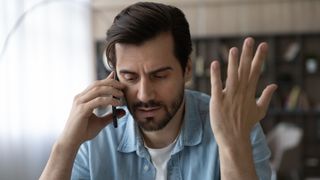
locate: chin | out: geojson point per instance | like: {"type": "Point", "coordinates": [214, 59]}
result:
{"type": "Point", "coordinates": [150, 124]}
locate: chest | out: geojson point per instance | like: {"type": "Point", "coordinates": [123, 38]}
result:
{"type": "Point", "coordinates": [198, 162]}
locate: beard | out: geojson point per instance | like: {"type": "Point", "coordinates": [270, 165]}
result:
{"type": "Point", "coordinates": [157, 123]}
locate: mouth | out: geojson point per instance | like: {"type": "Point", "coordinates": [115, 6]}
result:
{"type": "Point", "coordinates": [145, 112]}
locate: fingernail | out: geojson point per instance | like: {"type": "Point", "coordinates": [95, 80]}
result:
{"type": "Point", "coordinates": [249, 42]}
{"type": "Point", "coordinates": [215, 65]}
{"type": "Point", "coordinates": [234, 51]}
{"type": "Point", "coordinates": [264, 47]}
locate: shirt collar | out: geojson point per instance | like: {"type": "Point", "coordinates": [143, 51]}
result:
{"type": "Point", "coordinates": [131, 140]}
{"type": "Point", "coordinates": [190, 133]}
{"type": "Point", "coordinates": [191, 130]}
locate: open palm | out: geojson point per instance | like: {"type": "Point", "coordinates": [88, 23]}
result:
{"type": "Point", "coordinates": [234, 109]}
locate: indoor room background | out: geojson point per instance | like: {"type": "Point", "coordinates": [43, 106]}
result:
{"type": "Point", "coordinates": [52, 49]}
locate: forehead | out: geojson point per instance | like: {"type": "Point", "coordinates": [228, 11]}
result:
{"type": "Point", "coordinates": [154, 53]}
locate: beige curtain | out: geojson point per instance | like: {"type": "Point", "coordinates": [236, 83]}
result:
{"type": "Point", "coordinates": [47, 60]}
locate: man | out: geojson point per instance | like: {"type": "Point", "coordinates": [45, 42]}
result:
{"type": "Point", "coordinates": [166, 132]}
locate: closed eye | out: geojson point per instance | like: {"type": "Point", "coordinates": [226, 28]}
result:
{"type": "Point", "coordinates": [160, 76]}
{"type": "Point", "coordinates": [161, 73]}
{"type": "Point", "coordinates": [129, 76]}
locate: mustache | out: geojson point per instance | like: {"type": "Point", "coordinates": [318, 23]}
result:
{"type": "Point", "coordinates": [148, 104]}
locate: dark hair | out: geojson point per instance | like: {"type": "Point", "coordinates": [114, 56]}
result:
{"type": "Point", "coordinates": [145, 20]}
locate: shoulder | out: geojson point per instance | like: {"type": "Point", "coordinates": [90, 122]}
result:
{"type": "Point", "coordinates": [197, 112]}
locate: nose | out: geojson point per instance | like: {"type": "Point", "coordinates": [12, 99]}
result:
{"type": "Point", "coordinates": [146, 90]}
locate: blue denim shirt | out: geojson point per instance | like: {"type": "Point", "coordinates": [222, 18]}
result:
{"type": "Point", "coordinates": [119, 153]}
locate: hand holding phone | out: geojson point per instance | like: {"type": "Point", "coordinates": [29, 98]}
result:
{"type": "Point", "coordinates": [104, 111]}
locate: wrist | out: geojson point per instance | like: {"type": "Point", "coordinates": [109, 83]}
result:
{"type": "Point", "coordinates": [66, 146]}
{"type": "Point", "coordinates": [235, 148]}
{"type": "Point", "coordinates": [233, 141]}
{"type": "Point", "coordinates": [236, 160]}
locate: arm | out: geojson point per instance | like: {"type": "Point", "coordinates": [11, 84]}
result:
{"type": "Point", "coordinates": [59, 165]}
{"type": "Point", "coordinates": [82, 125]}
{"type": "Point", "coordinates": [234, 110]}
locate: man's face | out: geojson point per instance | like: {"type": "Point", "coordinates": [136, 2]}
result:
{"type": "Point", "coordinates": [154, 81]}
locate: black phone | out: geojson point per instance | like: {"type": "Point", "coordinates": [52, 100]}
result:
{"type": "Point", "coordinates": [114, 109]}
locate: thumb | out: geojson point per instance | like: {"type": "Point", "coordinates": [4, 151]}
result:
{"type": "Point", "coordinates": [265, 98]}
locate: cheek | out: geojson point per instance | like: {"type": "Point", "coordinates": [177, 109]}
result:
{"type": "Point", "coordinates": [129, 95]}
{"type": "Point", "coordinates": [169, 90]}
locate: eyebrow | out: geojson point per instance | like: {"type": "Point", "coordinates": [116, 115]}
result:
{"type": "Point", "coordinates": [124, 71]}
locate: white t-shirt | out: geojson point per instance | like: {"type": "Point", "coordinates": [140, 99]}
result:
{"type": "Point", "coordinates": [160, 158]}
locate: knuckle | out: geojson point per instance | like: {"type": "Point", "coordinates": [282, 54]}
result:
{"type": "Point", "coordinates": [82, 108]}
{"type": "Point", "coordinates": [96, 83]}
{"type": "Point", "coordinates": [77, 99]}
{"type": "Point", "coordinates": [101, 90]}
{"type": "Point", "coordinates": [95, 89]}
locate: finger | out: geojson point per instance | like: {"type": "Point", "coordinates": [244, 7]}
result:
{"type": "Point", "coordinates": [108, 81]}
{"type": "Point", "coordinates": [232, 74]}
{"type": "Point", "coordinates": [99, 82]}
{"type": "Point", "coordinates": [102, 102]}
{"type": "Point", "coordinates": [111, 75]}
{"type": "Point", "coordinates": [245, 61]}
{"type": "Point", "coordinates": [256, 66]}
{"type": "Point", "coordinates": [216, 83]}
{"type": "Point", "coordinates": [99, 91]}
{"type": "Point", "coordinates": [265, 98]}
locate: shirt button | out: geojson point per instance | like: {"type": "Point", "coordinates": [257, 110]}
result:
{"type": "Point", "coordinates": [146, 168]}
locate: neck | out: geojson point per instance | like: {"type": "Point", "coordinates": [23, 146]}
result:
{"type": "Point", "coordinates": [164, 137]}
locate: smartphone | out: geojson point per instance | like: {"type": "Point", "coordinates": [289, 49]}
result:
{"type": "Point", "coordinates": [114, 109]}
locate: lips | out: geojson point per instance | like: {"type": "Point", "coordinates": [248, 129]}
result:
{"type": "Point", "coordinates": [147, 111]}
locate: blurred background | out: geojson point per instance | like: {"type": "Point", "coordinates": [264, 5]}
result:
{"type": "Point", "coordinates": [52, 49]}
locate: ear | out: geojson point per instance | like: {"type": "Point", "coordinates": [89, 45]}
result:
{"type": "Point", "coordinates": [188, 71]}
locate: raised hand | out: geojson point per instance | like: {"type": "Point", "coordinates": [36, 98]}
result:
{"type": "Point", "coordinates": [234, 109]}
